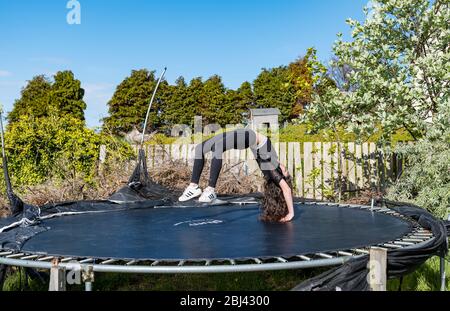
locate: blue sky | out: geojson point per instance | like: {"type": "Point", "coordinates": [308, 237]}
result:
{"type": "Point", "coordinates": [232, 38]}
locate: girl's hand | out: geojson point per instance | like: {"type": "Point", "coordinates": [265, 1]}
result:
{"type": "Point", "coordinates": [287, 218]}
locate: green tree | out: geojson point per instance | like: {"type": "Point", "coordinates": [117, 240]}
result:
{"type": "Point", "coordinates": [308, 77]}
{"type": "Point", "coordinates": [273, 89]}
{"type": "Point", "coordinates": [176, 106]}
{"type": "Point", "coordinates": [39, 147]}
{"type": "Point", "coordinates": [426, 179]}
{"type": "Point", "coordinates": [240, 101]}
{"type": "Point", "coordinates": [128, 106]}
{"type": "Point", "coordinates": [34, 100]}
{"type": "Point", "coordinates": [400, 69]}
{"type": "Point", "coordinates": [67, 95]}
{"type": "Point", "coordinates": [399, 78]}
{"type": "Point", "coordinates": [213, 106]}
{"type": "Point", "coordinates": [193, 100]}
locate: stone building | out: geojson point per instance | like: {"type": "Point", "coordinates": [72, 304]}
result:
{"type": "Point", "coordinates": [265, 118]}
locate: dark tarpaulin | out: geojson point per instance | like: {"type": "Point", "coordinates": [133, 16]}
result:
{"type": "Point", "coordinates": [140, 192]}
{"type": "Point", "coordinates": [352, 276]}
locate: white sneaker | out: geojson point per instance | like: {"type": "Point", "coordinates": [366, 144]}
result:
{"type": "Point", "coordinates": [190, 193]}
{"type": "Point", "coordinates": [208, 196]}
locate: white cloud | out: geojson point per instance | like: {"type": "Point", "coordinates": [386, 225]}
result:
{"type": "Point", "coordinates": [5, 73]}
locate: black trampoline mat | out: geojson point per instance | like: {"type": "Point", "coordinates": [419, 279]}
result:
{"type": "Point", "coordinates": [231, 232]}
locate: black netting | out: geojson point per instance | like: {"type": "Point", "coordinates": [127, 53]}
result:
{"type": "Point", "coordinates": [141, 187]}
{"type": "Point", "coordinates": [352, 276]}
{"type": "Point", "coordinates": [141, 192]}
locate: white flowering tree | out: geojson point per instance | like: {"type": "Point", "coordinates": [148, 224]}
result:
{"type": "Point", "coordinates": [401, 70]}
{"type": "Point", "coordinates": [399, 78]}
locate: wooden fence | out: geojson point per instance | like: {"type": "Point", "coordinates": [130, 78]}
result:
{"type": "Point", "coordinates": [318, 169]}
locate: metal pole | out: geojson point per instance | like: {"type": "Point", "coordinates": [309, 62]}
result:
{"type": "Point", "coordinates": [188, 269]}
{"type": "Point", "coordinates": [2, 136]}
{"type": "Point", "coordinates": [150, 105]}
{"type": "Point", "coordinates": [442, 272]}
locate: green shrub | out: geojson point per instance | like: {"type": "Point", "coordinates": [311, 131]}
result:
{"type": "Point", "coordinates": [426, 177]}
{"type": "Point", "coordinates": [62, 147]}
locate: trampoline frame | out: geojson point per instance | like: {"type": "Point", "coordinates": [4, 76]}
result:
{"type": "Point", "coordinates": [417, 236]}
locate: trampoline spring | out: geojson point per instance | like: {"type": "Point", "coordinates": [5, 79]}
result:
{"type": "Point", "coordinates": [87, 260]}
{"type": "Point", "coordinates": [389, 245]}
{"type": "Point", "coordinates": [281, 259]}
{"type": "Point", "coordinates": [391, 213]}
{"type": "Point", "coordinates": [344, 253]}
{"type": "Point", "coordinates": [420, 237]}
{"type": "Point", "coordinates": [5, 253]}
{"type": "Point", "coordinates": [15, 255]}
{"type": "Point", "coordinates": [155, 263]}
{"type": "Point", "coordinates": [132, 262]}
{"type": "Point", "coordinates": [46, 258]}
{"type": "Point", "coordinates": [29, 257]}
{"type": "Point", "coordinates": [303, 257]}
{"type": "Point", "coordinates": [109, 261]}
{"type": "Point", "coordinates": [181, 263]}
{"type": "Point", "coordinates": [66, 259]}
{"type": "Point", "coordinates": [258, 261]}
{"type": "Point", "coordinates": [404, 243]}
{"type": "Point", "coordinates": [361, 251]}
{"type": "Point", "coordinates": [323, 255]}
{"type": "Point", "coordinates": [424, 233]}
{"type": "Point", "coordinates": [414, 240]}
{"type": "Point", "coordinates": [232, 261]}
{"type": "Point", "coordinates": [208, 263]}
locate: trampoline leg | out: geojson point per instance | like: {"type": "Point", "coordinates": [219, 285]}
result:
{"type": "Point", "coordinates": [377, 277]}
{"type": "Point", "coordinates": [57, 277]}
{"type": "Point", "coordinates": [88, 286]}
{"type": "Point", "coordinates": [442, 273]}
{"type": "Point", "coordinates": [3, 269]}
{"type": "Point", "coordinates": [88, 277]}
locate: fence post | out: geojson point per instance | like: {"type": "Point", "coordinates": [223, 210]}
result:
{"type": "Point", "coordinates": [102, 155]}
{"type": "Point", "coordinates": [298, 170]}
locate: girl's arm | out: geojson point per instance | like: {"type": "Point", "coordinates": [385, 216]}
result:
{"type": "Point", "coordinates": [287, 193]}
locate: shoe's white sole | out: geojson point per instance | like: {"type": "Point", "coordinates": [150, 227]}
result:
{"type": "Point", "coordinates": [207, 201]}
{"type": "Point", "coordinates": [193, 197]}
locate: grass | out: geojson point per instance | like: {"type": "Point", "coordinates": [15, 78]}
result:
{"type": "Point", "coordinates": [254, 281]}
{"type": "Point", "coordinates": [425, 278]}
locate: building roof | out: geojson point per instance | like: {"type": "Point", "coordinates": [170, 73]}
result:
{"type": "Point", "coordinates": [265, 111]}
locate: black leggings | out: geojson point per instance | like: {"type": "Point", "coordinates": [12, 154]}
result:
{"type": "Point", "coordinates": [238, 139]}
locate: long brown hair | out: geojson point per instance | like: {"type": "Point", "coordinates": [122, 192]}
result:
{"type": "Point", "coordinates": [273, 204]}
